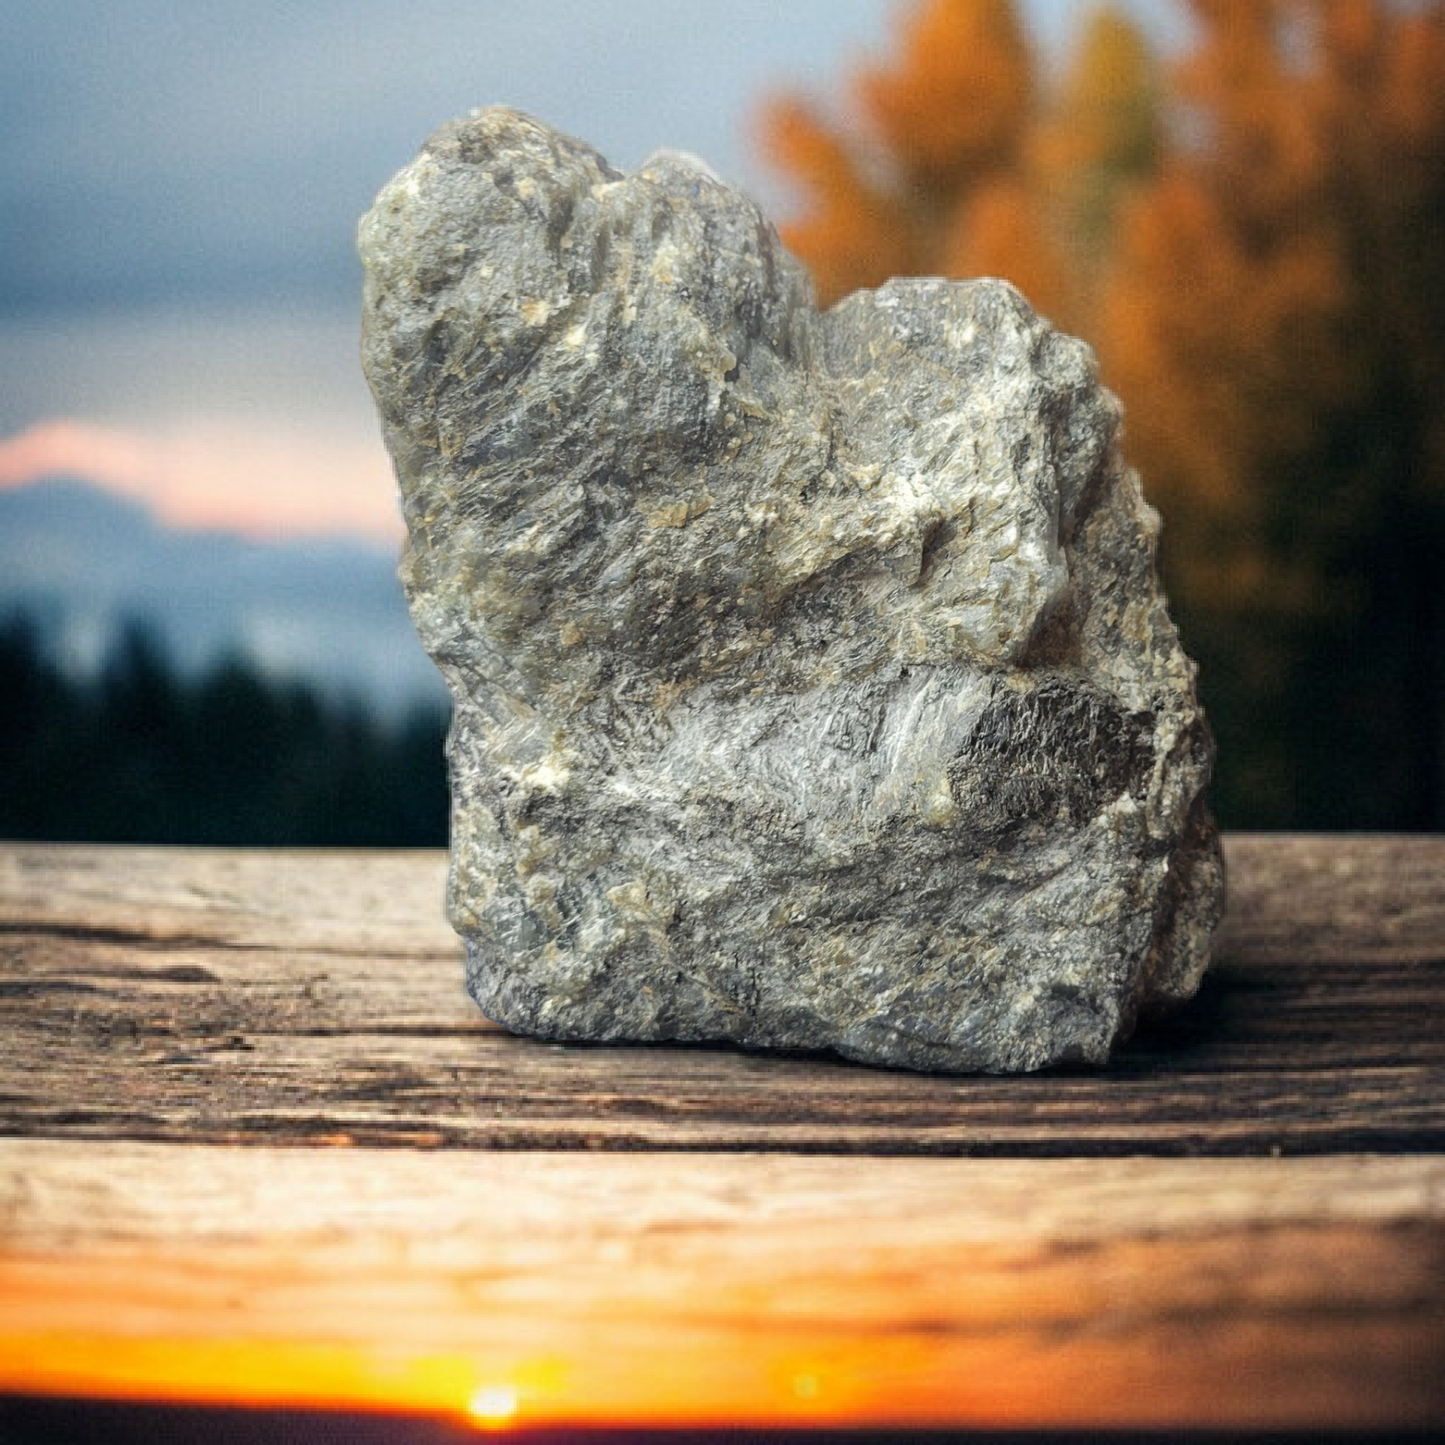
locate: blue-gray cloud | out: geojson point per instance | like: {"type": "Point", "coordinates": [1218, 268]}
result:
{"type": "Point", "coordinates": [223, 150]}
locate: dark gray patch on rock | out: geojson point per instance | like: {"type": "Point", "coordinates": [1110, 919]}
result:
{"type": "Point", "coordinates": [813, 684]}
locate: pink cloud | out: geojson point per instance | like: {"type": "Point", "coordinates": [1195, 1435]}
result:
{"type": "Point", "coordinates": [221, 473]}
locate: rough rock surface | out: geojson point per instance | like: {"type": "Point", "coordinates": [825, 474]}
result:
{"type": "Point", "coordinates": [813, 684]}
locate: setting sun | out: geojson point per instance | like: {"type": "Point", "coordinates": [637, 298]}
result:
{"type": "Point", "coordinates": [493, 1405]}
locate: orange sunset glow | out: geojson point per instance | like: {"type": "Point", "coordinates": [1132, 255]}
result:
{"type": "Point", "coordinates": [221, 473]}
{"type": "Point", "coordinates": [652, 1375]}
{"type": "Point", "coordinates": [347, 1301]}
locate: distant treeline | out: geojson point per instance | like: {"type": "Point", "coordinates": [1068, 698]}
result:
{"type": "Point", "coordinates": [143, 752]}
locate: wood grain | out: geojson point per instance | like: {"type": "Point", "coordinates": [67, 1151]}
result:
{"type": "Point", "coordinates": [262, 999]}
{"type": "Point", "coordinates": [244, 997]}
{"type": "Point", "coordinates": [747, 1289]}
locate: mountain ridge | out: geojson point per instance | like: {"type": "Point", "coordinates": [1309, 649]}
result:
{"type": "Point", "coordinates": [83, 562]}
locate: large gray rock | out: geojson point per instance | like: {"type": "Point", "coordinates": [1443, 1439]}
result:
{"type": "Point", "coordinates": [813, 684]}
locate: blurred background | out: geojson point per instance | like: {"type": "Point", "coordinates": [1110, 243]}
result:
{"type": "Point", "coordinates": [1238, 205]}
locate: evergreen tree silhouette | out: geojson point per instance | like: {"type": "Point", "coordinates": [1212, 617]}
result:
{"type": "Point", "coordinates": [144, 754]}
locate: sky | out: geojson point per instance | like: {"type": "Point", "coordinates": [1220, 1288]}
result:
{"type": "Point", "coordinates": [180, 184]}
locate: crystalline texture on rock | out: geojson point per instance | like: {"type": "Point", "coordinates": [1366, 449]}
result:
{"type": "Point", "coordinates": [813, 685]}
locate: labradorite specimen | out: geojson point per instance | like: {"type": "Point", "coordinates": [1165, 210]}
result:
{"type": "Point", "coordinates": [813, 684]}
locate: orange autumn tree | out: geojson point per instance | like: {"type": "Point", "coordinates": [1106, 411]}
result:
{"type": "Point", "coordinates": [1253, 241]}
{"type": "Point", "coordinates": [946, 130]}
{"type": "Point", "coordinates": [1274, 317]}
{"type": "Point", "coordinates": [961, 165]}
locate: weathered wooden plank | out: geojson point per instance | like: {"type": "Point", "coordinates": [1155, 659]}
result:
{"type": "Point", "coordinates": [248, 997]}
{"type": "Point", "coordinates": [745, 1289]}
{"type": "Point", "coordinates": [170, 899]}
{"type": "Point", "coordinates": [1299, 898]}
